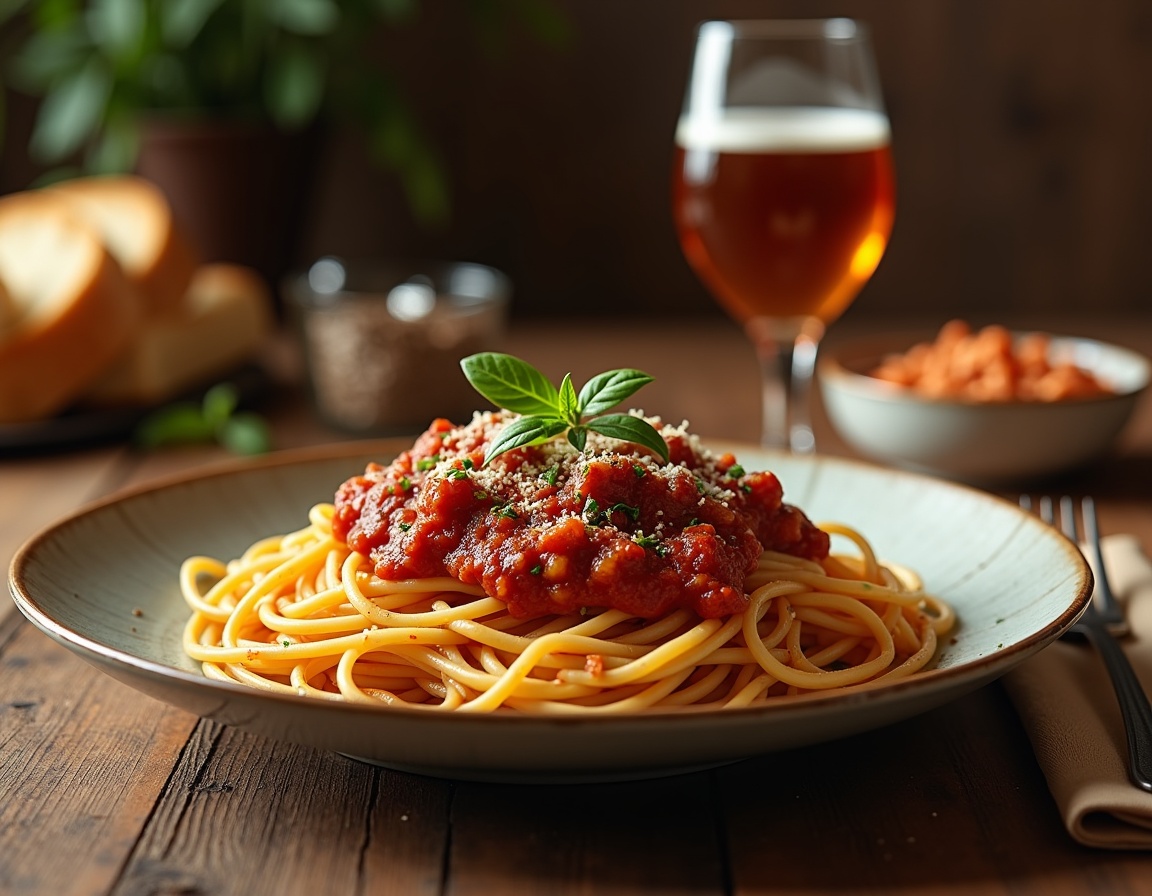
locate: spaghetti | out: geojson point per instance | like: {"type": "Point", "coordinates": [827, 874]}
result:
{"type": "Point", "coordinates": [319, 612]}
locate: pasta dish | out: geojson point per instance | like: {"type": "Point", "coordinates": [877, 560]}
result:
{"type": "Point", "coordinates": [551, 578]}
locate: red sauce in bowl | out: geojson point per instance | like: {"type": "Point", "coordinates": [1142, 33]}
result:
{"type": "Point", "coordinates": [548, 529]}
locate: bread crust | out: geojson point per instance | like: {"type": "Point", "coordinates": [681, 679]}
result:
{"type": "Point", "coordinates": [226, 316]}
{"type": "Point", "coordinates": [50, 355]}
{"type": "Point", "coordinates": [162, 275]}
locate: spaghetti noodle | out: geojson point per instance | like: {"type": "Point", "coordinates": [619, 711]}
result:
{"type": "Point", "coordinates": [309, 613]}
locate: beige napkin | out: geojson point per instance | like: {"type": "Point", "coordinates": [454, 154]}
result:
{"type": "Point", "coordinates": [1065, 699]}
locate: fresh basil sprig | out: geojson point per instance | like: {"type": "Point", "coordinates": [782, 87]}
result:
{"type": "Point", "coordinates": [546, 412]}
{"type": "Point", "coordinates": [214, 418]}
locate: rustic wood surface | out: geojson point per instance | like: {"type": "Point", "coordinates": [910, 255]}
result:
{"type": "Point", "coordinates": [103, 790]}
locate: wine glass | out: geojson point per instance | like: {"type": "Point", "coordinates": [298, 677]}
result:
{"type": "Point", "coordinates": [783, 190]}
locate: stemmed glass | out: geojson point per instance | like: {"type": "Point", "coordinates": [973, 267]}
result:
{"type": "Point", "coordinates": [783, 190]}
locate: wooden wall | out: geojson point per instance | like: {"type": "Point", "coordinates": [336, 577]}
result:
{"type": "Point", "coordinates": [1023, 130]}
{"type": "Point", "coordinates": [1023, 134]}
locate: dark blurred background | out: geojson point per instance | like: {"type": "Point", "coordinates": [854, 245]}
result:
{"type": "Point", "coordinates": [1022, 142]}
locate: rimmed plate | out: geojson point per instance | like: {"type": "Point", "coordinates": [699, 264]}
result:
{"type": "Point", "coordinates": [103, 582]}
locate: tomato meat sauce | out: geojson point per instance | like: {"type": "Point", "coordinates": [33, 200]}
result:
{"type": "Point", "coordinates": [549, 530]}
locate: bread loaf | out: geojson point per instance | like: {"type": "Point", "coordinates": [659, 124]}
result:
{"type": "Point", "coordinates": [136, 224]}
{"type": "Point", "coordinates": [70, 309]}
{"type": "Point", "coordinates": [223, 319]}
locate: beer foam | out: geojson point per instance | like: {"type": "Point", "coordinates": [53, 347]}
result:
{"type": "Point", "coordinates": [784, 129]}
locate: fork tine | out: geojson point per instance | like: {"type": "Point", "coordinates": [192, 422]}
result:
{"type": "Point", "coordinates": [1114, 616]}
{"type": "Point", "coordinates": [1068, 524]}
{"type": "Point", "coordinates": [1133, 701]}
{"type": "Point", "coordinates": [1045, 510]}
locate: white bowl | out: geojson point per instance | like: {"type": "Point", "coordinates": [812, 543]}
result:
{"type": "Point", "coordinates": [980, 442]}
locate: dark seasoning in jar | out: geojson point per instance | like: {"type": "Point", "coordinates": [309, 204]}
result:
{"type": "Point", "coordinates": [383, 352]}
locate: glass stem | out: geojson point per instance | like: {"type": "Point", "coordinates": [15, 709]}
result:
{"type": "Point", "coordinates": [787, 354]}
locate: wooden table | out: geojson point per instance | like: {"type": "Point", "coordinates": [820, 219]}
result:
{"type": "Point", "coordinates": [103, 790]}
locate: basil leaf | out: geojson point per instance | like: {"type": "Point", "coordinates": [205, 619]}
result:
{"type": "Point", "coordinates": [218, 404]}
{"type": "Point", "coordinates": [630, 429]}
{"type": "Point", "coordinates": [578, 437]}
{"type": "Point", "coordinates": [245, 433]}
{"type": "Point", "coordinates": [525, 431]}
{"type": "Point", "coordinates": [510, 383]}
{"type": "Point", "coordinates": [606, 390]}
{"type": "Point", "coordinates": [569, 407]}
{"type": "Point", "coordinates": [174, 424]}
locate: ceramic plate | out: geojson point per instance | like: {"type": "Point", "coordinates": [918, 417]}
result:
{"type": "Point", "coordinates": [103, 582]}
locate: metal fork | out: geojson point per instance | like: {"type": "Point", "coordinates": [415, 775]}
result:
{"type": "Point", "coordinates": [1101, 621]}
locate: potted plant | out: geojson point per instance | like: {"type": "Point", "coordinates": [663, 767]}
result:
{"type": "Point", "coordinates": [179, 90]}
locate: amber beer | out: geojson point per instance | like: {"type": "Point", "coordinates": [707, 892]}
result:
{"type": "Point", "coordinates": [784, 212]}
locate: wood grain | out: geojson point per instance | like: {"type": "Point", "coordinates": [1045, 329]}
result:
{"type": "Point", "coordinates": [628, 838]}
{"type": "Point", "coordinates": [81, 761]}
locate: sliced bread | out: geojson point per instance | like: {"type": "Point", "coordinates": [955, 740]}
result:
{"type": "Point", "coordinates": [224, 319]}
{"type": "Point", "coordinates": [135, 221]}
{"type": "Point", "coordinates": [71, 310]}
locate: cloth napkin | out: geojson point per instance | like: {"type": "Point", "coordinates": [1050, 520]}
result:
{"type": "Point", "coordinates": [1065, 700]}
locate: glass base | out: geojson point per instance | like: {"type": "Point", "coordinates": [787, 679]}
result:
{"type": "Point", "coordinates": [786, 349]}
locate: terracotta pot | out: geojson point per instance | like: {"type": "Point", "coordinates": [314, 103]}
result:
{"type": "Point", "coordinates": [241, 190]}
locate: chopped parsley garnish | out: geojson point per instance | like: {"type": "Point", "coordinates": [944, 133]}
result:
{"type": "Point", "coordinates": [505, 510]}
{"type": "Point", "coordinates": [457, 474]}
{"type": "Point", "coordinates": [427, 463]}
{"type": "Point", "coordinates": [550, 474]}
{"type": "Point", "coordinates": [735, 471]}
{"type": "Point", "coordinates": [536, 570]}
{"type": "Point", "coordinates": [651, 541]}
{"type": "Point", "coordinates": [633, 512]}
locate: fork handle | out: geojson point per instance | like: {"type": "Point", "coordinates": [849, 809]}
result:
{"type": "Point", "coordinates": [1133, 702]}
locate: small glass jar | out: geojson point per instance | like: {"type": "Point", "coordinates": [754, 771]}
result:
{"type": "Point", "coordinates": [382, 342]}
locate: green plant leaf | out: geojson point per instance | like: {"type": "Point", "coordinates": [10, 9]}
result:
{"type": "Point", "coordinates": [630, 429]}
{"type": "Point", "coordinates": [115, 148]}
{"type": "Point", "coordinates": [117, 26]}
{"type": "Point", "coordinates": [218, 404]}
{"type": "Point", "coordinates": [213, 418]}
{"type": "Point", "coordinates": [245, 433]}
{"type": "Point", "coordinates": [606, 390]}
{"type": "Point", "coordinates": [173, 424]}
{"type": "Point", "coordinates": [578, 437]}
{"type": "Point", "coordinates": [531, 430]}
{"type": "Point", "coordinates": [511, 383]}
{"type": "Point", "coordinates": [426, 188]}
{"type": "Point", "coordinates": [181, 23]}
{"type": "Point", "coordinates": [71, 114]}
{"type": "Point", "coordinates": [9, 8]}
{"type": "Point", "coordinates": [294, 87]}
{"type": "Point", "coordinates": [49, 57]}
{"type": "Point", "coordinates": [569, 405]}
{"type": "Point", "coordinates": [56, 13]}
{"type": "Point", "coordinates": [305, 17]}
